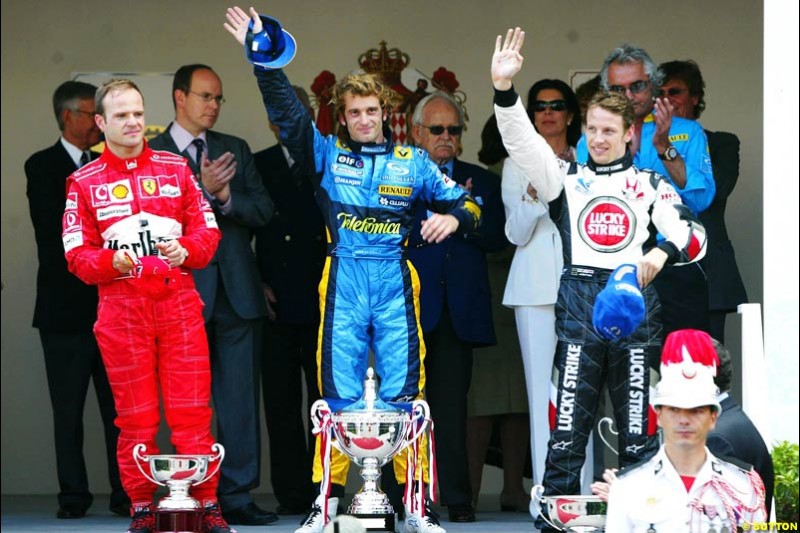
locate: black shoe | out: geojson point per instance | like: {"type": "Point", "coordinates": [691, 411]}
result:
{"type": "Point", "coordinates": [121, 509]}
{"type": "Point", "coordinates": [283, 510]}
{"type": "Point", "coordinates": [249, 515]}
{"type": "Point", "coordinates": [461, 513]}
{"type": "Point", "coordinates": [541, 524]}
{"type": "Point", "coordinates": [70, 511]}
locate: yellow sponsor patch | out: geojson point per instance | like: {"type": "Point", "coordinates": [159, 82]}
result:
{"type": "Point", "coordinates": [473, 209]}
{"type": "Point", "coordinates": [679, 137]}
{"type": "Point", "coordinates": [402, 152]}
{"type": "Point", "coordinates": [394, 190]}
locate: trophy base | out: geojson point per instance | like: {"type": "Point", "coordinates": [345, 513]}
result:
{"type": "Point", "coordinates": [376, 522]}
{"type": "Point", "coordinates": [179, 521]}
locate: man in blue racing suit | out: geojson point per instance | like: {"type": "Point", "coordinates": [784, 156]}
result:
{"type": "Point", "coordinates": [369, 292]}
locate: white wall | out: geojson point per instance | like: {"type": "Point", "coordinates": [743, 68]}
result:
{"type": "Point", "coordinates": [44, 42]}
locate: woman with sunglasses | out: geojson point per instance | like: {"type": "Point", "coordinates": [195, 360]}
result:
{"type": "Point", "coordinates": [532, 285]}
{"type": "Point", "coordinates": [684, 87]}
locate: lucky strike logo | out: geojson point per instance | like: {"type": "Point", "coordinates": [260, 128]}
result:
{"type": "Point", "coordinates": [606, 224]}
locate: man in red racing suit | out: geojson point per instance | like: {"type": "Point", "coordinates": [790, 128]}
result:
{"type": "Point", "coordinates": [132, 203]}
{"type": "Point", "coordinates": [610, 213]}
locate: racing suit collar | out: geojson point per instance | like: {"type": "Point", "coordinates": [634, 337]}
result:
{"type": "Point", "coordinates": [623, 163]}
{"type": "Point", "coordinates": [372, 148]}
{"type": "Point", "coordinates": [128, 164]}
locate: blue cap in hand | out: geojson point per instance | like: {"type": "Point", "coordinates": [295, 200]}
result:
{"type": "Point", "coordinates": [619, 308]}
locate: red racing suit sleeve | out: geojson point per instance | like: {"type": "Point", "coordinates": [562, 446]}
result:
{"type": "Point", "coordinates": [83, 243]}
{"type": "Point", "coordinates": [201, 234]}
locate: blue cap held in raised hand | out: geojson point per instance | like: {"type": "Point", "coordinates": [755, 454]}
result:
{"type": "Point", "coordinates": [272, 48]}
{"type": "Point", "coordinates": [619, 308]}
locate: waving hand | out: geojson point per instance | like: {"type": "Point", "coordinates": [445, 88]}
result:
{"type": "Point", "coordinates": [507, 60]}
{"type": "Point", "coordinates": [238, 22]}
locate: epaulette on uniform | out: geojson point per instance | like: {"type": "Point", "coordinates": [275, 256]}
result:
{"type": "Point", "coordinates": [744, 466]}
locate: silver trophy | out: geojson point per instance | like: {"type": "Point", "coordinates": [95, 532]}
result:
{"type": "Point", "coordinates": [178, 511]}
{"type": "Point", "coordinates": [575, 514]}
{"type": "Point", "coordinates": [371, 432]}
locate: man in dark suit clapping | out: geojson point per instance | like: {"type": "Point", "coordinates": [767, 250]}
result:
{"type": "Point", "coordinates": [229, 286]}
{"type": "Point", "coordinates": [66, 308]}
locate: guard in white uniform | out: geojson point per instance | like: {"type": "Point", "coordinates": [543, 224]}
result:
{"type": "Point", "coordinates": [684, 487]}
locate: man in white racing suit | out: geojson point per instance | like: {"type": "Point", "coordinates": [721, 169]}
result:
{"type": "Point", "coordinates": [608, 212]}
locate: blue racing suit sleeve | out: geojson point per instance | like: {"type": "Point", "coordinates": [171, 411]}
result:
{"type": "Point", "coordinates": [700, 187]}
{"type": "Point", "coordinates": [297, 131]}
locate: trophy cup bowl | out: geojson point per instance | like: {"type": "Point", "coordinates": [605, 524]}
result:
{"type": "Point", "coordinates": [178, 511]}
{"type": "Point", "coordinates": [371, 432]}
{"type": "Point", "coordinates": [576, 514]}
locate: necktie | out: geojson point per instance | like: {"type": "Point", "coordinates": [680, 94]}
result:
{"type": "Point", "coordinates": [85, 158]}
{"type": "Point", "coordinates": [443, 170]}
{"type": "Point", "coordinates": [199, 146]}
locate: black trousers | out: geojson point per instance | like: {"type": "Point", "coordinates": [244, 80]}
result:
{"type": "Point", "coordinates": [683, 292]}
{"type": "Point", "coordinates": [71, 361]}
{"type": "Point", "coordinates": [448, 373]}
{"type": "Point", "coordinates": [235, 345]}
{"type": "Point", "coordinates": [289, 360]}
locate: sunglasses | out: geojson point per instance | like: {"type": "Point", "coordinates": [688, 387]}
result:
{"type": "Point", "coordinates": [554, 105]}
{"type": "Point", "coordinates": [635, 87]}
{"type": "Point", "coordinates": [454, 131]}
{"type": "Point", "coordinates": [673, 91]}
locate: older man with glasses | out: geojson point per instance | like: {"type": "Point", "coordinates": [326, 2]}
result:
{"type": "Point", "coordinates": [676, 148]}
{"type": "Point", "coordinates": [455, 299]}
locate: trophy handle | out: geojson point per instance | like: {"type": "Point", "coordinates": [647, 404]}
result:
{"type": "Point", "coordinates": [219, 449]}
{"type": "Point", "coordinates": [537, 495]}
{"type": "Point", "coordinates": [607, 421]}
{"type": "Point", "coordinates": [419, 410]}
{"type": "Point", "coordinates": [321, 421]}
{"type": "Point", "coordinates": [138, 458]}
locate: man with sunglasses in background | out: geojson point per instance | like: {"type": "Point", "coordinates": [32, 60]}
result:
{"type": "Point", "coordinates": [230, 286]}
{"type": "Point", "coordinates": [677, 149]}
{"type": "Point", "coordinates": [455, 298]}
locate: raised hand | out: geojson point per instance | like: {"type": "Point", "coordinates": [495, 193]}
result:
{"type": "Point", "coordinates": [507, 60]}
{"type": "Point", "coordinates": [238, 21]}
{"type": "Point", "coordinates": [663, 119]}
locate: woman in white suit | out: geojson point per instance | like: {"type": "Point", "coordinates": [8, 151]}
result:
{"type": "Point", "coordinates": [532, 285]}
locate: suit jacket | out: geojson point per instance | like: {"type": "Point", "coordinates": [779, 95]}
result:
{"type": "Point", "coordinates": [251, 207]}
{"type": "Point", "coordinates": [725, 287]}
{"type": "Point", "coordinates": [455, 270]}
{"type": "Point", "coordinates": [736, 436]}
{"type": "Point", "coordinates": [63, 302]}
{"type": "Point", "coordinates": [538, 260]}
{"type": "Point", "coordinates": [291, 249]}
